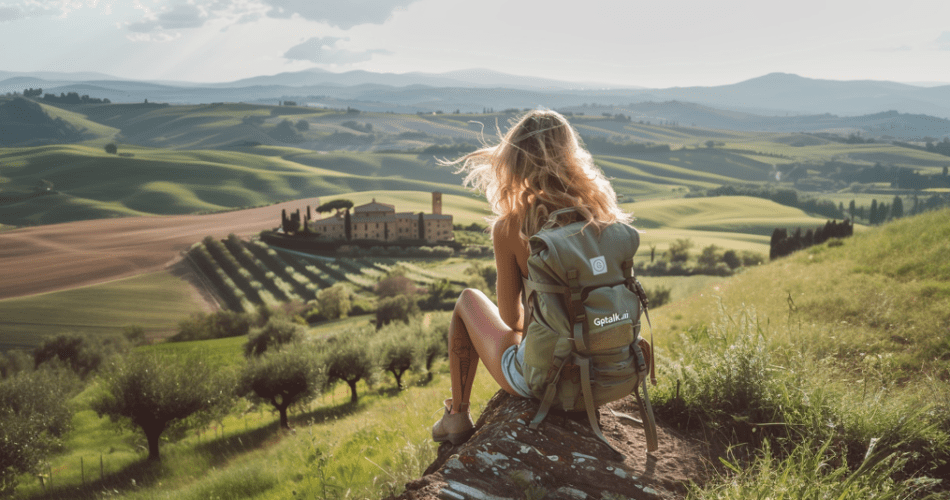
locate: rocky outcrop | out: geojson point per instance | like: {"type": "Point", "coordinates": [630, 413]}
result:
{"type": "Point", "coordinates": [561, 460]}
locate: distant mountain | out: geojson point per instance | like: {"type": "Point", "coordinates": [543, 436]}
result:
{"type": "Point", "coordinates": [888, 124]}
{"type": "Point", "coordinates": [776, 94]}
{"type": "Point", "coordinates": [796, 94]}
{"type": "Point", "coordinates": [483, 78]}
{"type": "Point", "coordinates": [58, 76]}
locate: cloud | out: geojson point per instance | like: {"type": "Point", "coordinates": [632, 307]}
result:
{"type": "Point", "coordinates": [153, 37]}
{"type": "Point", "coordinates": [341, 13]}
{"type": "Point", "coordinates": [180, 16]}
{"type": "Point", "coordinates": [943, 41]}
{"type": "Point", "coordinates": [901, 48]}
{"type": "Point", "coordinates": [17, 13]}
{"type": "Point", "coordinates": [321, 50]}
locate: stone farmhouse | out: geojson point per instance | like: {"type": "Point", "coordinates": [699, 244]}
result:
{"type": "Point", "coordinates": [380, 221]}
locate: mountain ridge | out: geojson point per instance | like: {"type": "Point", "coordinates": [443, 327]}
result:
{"type": "Point", "coordinates": [773, 94]}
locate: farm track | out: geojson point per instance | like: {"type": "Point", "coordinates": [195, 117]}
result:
{"type": "Point", "coordinates": [55, 257]}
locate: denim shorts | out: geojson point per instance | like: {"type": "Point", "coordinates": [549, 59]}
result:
{"type": "Point", "coordinates": [513, 376]}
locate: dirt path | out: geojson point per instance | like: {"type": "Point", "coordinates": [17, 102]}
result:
{"type": "Point", "coordinates": [62, 256]}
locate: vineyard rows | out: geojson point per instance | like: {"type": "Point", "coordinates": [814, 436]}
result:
{"type": "Point", "coordinates": [246, 274]}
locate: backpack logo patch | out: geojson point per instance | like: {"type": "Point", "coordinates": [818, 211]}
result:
{"type": "Point", "coordinates": [598, 265]}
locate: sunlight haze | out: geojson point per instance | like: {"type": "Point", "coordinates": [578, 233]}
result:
{"type": "Point", "coordinates": [606, 42]}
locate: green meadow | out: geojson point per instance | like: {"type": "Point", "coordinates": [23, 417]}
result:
{"type": "Point", "coordinates": [187, 159]}
{"type": "Point", "coordinates": [156, 302]}
{"type": "Point", "coordinates": [820, 375]}
{"type": "Point", "coordinates": [842, 343]}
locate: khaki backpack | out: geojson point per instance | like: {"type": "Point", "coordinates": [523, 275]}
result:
{"type": "Point", "coordinates": [582, 308]}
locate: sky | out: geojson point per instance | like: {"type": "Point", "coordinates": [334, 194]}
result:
{"type": "Point", "coordinates": [625, 43]}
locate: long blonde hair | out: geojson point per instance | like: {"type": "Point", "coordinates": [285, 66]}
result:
{"type": "Point", "coordinates": [539, 167]}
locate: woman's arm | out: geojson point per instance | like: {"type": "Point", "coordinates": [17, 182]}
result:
{"type": "Point", "coordinates": [508, 248]}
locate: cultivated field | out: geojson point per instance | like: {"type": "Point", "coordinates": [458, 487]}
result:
{"type": "Point", "coordinates": [62, 256]}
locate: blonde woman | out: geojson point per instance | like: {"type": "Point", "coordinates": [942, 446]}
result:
{"type": "Point", "coordinates": [538, 167]}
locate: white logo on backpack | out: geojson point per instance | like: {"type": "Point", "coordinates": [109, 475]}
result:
{"type": "Point", "coordinates": [598, 265]}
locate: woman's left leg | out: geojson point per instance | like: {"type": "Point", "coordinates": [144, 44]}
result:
{"type": "Point", "coordinates": [476, 332]}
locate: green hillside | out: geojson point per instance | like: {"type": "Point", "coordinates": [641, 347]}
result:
{"type": "Point", "coordinates": [884, 290]}
{"type": "Point", "coordinates": [155, 302]}
{"type": "Point", "coordinates": [201, 158]}
{"type": "Point", "coordinates": [797, 366]}
{"type": "Point", "coordinates": [837, 354]}
{"type": "Point", "coordinates": [88, 183]}
{"type": "Point", "coordinates": [735, 222]}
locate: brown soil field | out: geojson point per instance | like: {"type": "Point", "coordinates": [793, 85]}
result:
{"type": "Point", "coordinates": [55, 257]}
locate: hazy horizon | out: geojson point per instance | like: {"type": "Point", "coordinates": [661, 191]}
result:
{"type": "Point", "coordinates": [615, 43]}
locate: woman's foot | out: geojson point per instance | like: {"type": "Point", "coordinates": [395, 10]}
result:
{"type": "Point", "coordinates": [453, 427]}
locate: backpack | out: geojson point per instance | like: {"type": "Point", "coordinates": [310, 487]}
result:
{"type": "Point", "coordinates": [582, 312]}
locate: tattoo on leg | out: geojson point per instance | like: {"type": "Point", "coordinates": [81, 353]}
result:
{"type": "Point", "coordinates": [464, 351]}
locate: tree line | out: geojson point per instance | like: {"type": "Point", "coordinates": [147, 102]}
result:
{"type": "Point", "coordinates": [784, 243]}
{"type": "Point", "coordinates": [64, 98]}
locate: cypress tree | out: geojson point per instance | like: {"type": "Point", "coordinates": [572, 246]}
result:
{"type": "Point", "coordinates": [897, 208]}
{"type": "Point", "coordinates": [347, 225]}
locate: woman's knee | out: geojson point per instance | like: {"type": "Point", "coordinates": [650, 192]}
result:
{"type": "Point", "coordinates": [472, 295]}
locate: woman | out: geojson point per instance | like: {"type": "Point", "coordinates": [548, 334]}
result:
{"type": "Point", "coordinates": [538, 167]}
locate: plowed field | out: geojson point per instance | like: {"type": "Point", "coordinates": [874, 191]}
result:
{"type": "Point", "coordinates": [61, 256]}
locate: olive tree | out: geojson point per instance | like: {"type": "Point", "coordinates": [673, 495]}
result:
{"type": "Point", "coordinates": [350, 359]}
{"type": "Point", "coordinates": [336, 301]}
{"type": "Point", "coordinates": [33, 417]}
{"type": "Point", "coordinates": [398, 349]}
{"type": "Point", "coordinates": [283, 378]}
{"type": "Point", "coordinates": [153, 393]}
{"type": "Point", "coordinates": [274, 334]}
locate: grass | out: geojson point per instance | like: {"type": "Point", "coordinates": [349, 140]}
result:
{"type": "Point", "coordinates": [813, 360]}
{"type": "Point", "coordinates": [156, 302]}
{"type": "Point", "coordinates": [185, 159]}
{"type": "Point", "coordinates": [760, 362]}
{"type": "Point", "coordinates": [338, 450]}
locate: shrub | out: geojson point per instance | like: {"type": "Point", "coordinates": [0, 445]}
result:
{"type": "Point", "coordinates": [336, 301]}
{"type": "Point", "coordinates": [658, 296]}
{"type": "Point", "coordinates": [82, 354]}
{"type": "Point", "coordinates": [396, 284]}
{"type": "Point", "coordinates": [276, 333]}
{"type": "Point", "coordinates": [33, 418]}
{"type": "Point", "coordinates": [220, 324]}
{"type": "Point", "coordinates": [398, 308]}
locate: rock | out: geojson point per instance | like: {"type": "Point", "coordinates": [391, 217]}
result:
{"type": "Point", "coordinates": [562, 460]}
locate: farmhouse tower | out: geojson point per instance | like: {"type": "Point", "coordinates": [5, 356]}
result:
{"type": "Point", "coordinates": [436, 203]}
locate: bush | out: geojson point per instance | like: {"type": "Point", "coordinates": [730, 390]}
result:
{"type": "Point", "coordinates": [396, 284]}
{"type": "Point", "coordinates": [398, 308]}
{"type": "Point", "coordinates": [276, 333]}
{"type": "Point", "coordinates": [658, 296]}
{"type": "Point", "coordinates": [81, 354]}
{"type": "Point", "coordinates": [13, 362]}
{"type": "Point", "coordinates": [336, 301]}
{"type": "Point", "coordinates": [33, 418]}
{"type": "Point", "coordinates": [220, 324]}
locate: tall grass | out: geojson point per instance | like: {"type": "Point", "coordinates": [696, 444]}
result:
{"type": "Point", "coordinates": [833, 384]}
